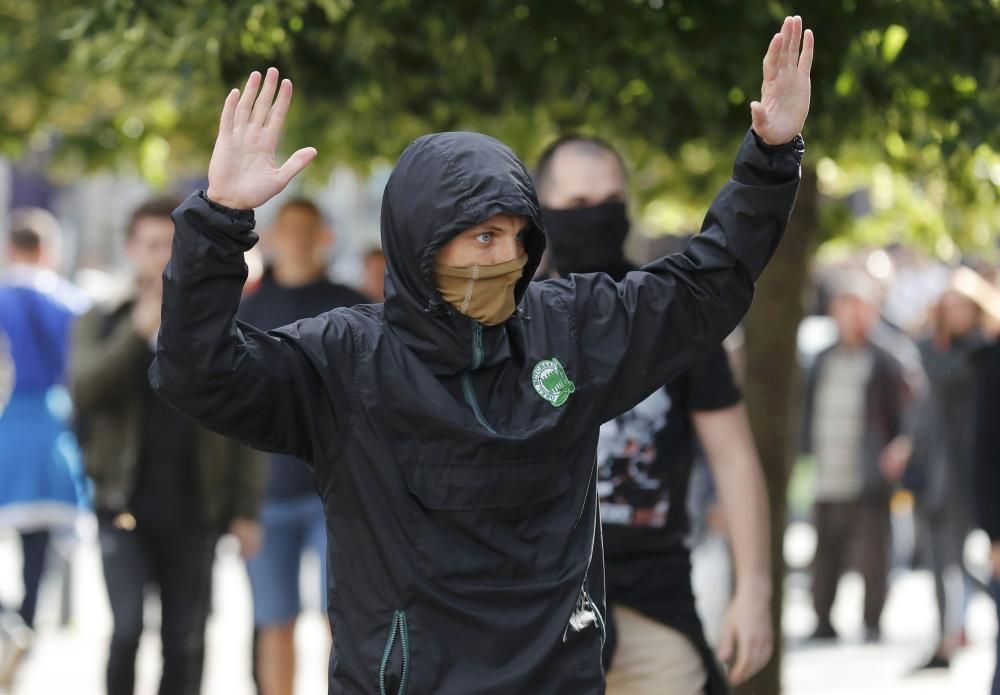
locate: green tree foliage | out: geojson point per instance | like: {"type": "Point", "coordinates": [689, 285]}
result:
{"type": "Point", "coordinates": [913, 84]}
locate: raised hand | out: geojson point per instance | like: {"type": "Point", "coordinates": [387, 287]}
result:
{"type": "Point", "coordinates": [242, 173]}
{"type": "Point", "coordinates": [784, 102]}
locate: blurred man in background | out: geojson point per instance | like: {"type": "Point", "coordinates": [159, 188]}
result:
{"type": "Point", "coordinates": [373, 276]}
{"type": "Point", "coordinates": [164, 488]}
{"type": "Point", "coordinates": [294, 286]}
{"type": "Point", "coordinates": [39, 464]}
{"type": "Point", "coordinates": [854, 404]}
{"type": "Point", "coordinates": [656, 643]}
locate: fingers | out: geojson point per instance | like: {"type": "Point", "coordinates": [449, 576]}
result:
{"type": "Point", "coordinates": [725, 649]}
{"type": "Point", "coordinates": [759, 654]}
{"type": "Point", "coordinates": [229, 112]}
{"type": "Point", "coordinates": [796, 42]}
{"type": "Point", "coordinates": [296, 163]}
{"type": "Point", "coordinates": [765, 648]}
{"type": "Point", "coordinates": [243, 108]}
{"type": "Point", "coordinates": [772, 58]}
{"type": "Point", "coordinates": [263, 104]}
{"type": "Point", "coordinates": [276, 118]}
{"type": "Point", "coordinates": [786, 39]}
{"type": "Point", "coordinates": [758, 115]}
{"type": "Point", "coordinates": [806, 59]}
{"type": "Point", "coordinates": [741, 669]}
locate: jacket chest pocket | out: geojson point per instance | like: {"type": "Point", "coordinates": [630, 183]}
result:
{"type": "Point", "coordinates": [492, 522]}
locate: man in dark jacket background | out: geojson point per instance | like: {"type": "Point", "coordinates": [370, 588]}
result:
{"type": "Point", "coordinates": [294, 287]}
{"type": "Point", "coordinates": [453, 430]}
{"type": "Point", "coordinates": [645, 458]}
{"type": "Point", "coordinates": [164, 488]}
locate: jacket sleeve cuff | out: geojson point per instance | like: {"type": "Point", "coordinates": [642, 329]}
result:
{"type": "Point", "coordinates": [233, 229]}
{"type": "Point", "coordinates": [760, 164]}
{"type": "Point", "coordinates": [236, 214]}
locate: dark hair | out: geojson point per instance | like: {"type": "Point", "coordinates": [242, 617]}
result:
{"type": "Point", "coordinates": [26, 240]}
{"type": "Point", "coordinates": [31, 229]}
{"type": "Point", "coordinates": [303, 204]}
{"type": "Point", "coordinates": [586, 143]}
{"type": "Point", "coordinates": [156, 208]}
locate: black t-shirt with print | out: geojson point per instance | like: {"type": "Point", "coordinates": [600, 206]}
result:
{"type": "Point", "coordinates": [645, 458]}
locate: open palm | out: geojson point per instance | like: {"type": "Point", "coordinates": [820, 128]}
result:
{"type": "Point", "coordinates": [243, 173]}
{"type": "Point", "coordinates": [784, 102]}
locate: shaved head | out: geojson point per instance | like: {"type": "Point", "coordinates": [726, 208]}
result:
{"type": "Point", "coordinates": [577, 171]}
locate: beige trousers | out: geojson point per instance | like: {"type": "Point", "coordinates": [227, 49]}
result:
{"type": "Point", "coordinates": [653, 659]}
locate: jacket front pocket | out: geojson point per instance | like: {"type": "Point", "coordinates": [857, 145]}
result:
{"type": "Point", "coordinates": [394, 670]}
{"type": "Point", "coordinates": [492, 522]}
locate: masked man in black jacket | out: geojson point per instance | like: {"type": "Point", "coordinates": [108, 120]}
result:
{"type": "Point", "coordinates": [452, 431]}
{"type": "Point", "coordinates": [645, 459]}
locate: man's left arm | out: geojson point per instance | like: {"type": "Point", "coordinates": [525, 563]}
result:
{"type": "Point", "coordinates": [639, 333]}
{"type": "Point", "coordinates": [747, 639]}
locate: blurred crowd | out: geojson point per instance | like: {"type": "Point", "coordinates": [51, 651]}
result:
{"type": "Point", "coordinates": [900, 404]}
{"type": "Point", "coordinates": [896, 416]}
{"type": "Point", "coordinates": [82, 433]}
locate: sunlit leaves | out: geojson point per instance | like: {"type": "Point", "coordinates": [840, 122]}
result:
{"type": "Point", "coordinates": [912, 85]}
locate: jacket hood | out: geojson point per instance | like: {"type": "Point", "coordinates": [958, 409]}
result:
{"type": "Point", "coordinates": [442, 185]}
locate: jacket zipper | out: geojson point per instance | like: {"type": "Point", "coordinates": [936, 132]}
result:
{"type": "Point", "coordinates": [602, 628]}
{"type": "Point", "coordinates": [467, 390]}
{"type": "Point", "coordinates": [398, 630]}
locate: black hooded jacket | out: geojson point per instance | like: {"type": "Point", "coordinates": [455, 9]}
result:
{"type": "Point", "coordinates": [461, 505]}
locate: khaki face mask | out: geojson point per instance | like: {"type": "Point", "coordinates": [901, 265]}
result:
{"type": "Point", "coordinates": [481, 292]}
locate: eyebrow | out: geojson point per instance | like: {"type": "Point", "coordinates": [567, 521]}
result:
{"type": "Point", "coordinates": [494, 228]}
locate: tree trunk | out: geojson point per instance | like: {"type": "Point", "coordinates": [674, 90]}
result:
{"type": "Point", "coordinates": [772, 389]}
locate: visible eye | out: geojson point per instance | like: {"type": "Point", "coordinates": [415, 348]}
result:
{"type": "Point", "coordinates": [520, 238]}
{"type": "Point", "coordinates": [484, 237]}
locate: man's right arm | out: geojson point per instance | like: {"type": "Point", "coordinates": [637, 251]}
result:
{"type": "Point", "coordinates": [275, 391]}
{"type": "Point", "coordinates": [285, 390]}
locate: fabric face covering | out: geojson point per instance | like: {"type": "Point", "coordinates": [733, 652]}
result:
{"type": "Point", "coordinates": [484, 293]}
{"type": "Point", "coordinates": [587, 240]}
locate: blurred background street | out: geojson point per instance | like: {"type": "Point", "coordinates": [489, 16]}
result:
{"type": "Point", "coordinates": [70, 659]}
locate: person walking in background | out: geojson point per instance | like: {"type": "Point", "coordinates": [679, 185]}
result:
{"type": "Point", "coordinates": [940, 471]}
{"type": "Point", "coordinates": [164, 488]}
{"type": "Point", "coordinates": [854, 403]}
{"type": "Point", "coordinates": [40, 478]}
{"type": "Point", "coordinates": [986, 368]}
{"type": "Point", "coordinates": [656, 643]}
{"type": "Point", "coordinates": [986, 432]}
{"type": "Point", "coordinates": [294, 286]}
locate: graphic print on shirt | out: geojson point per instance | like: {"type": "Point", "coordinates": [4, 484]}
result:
{"type": "Point", "coordinates": [631, 492]}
